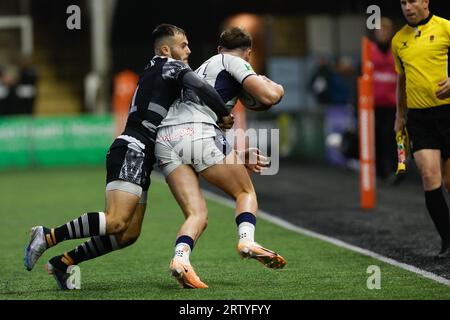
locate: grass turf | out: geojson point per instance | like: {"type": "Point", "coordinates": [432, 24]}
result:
{"type": "Point", "coordinates": [315, 269]}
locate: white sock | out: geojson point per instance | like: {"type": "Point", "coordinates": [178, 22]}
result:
{"type": "Point", "coordinates": [246, 231]}
{"type": "Point", "coordinates": [182, 252]}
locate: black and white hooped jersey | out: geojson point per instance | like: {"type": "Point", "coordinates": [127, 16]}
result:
{"type": "Point", "coordinates": [225, 73]}
{"type": "Point", "coordinates": [158, 87]}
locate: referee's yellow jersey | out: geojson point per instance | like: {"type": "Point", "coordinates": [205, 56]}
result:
{"type": "Point", "coordinates": [422, 54]}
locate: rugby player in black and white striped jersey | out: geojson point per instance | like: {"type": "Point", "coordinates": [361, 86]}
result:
{"type": "Point", "coordinates": [129, 160]}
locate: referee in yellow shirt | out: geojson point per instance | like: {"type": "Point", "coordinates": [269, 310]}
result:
{"type": "Point", "coordinates": [421, 51]}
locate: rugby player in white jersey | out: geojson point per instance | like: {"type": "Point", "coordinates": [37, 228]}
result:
{"type": "Point", "coordinates": [189, 127]}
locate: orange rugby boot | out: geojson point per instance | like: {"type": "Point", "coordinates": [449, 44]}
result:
{"type": "Point", "coordinates": [185, 275]}
{"type": "Point", "coordinates": [267, 257]}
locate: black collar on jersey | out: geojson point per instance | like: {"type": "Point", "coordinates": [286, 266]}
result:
{"type": "Point", "coordinates": [423, 22]}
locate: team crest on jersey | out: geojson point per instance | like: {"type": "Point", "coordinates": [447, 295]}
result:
{"type": "Point", "coordinates": [405, 45]}
{"type": "Point", "coordinates": [431, 38]}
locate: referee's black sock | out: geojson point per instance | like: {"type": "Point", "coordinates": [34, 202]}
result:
{"type": "Point", "coordinates": [93, 248]}
{"type": "Point", "coordinates": [88, 225]}
{"type": "Point", "coordinates": [439, 212]}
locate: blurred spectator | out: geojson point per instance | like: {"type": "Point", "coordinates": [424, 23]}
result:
{"type": "Point", "coordinates": [343, 84]}
{"type": "Point", "coordinates": [321, 81]}
{"type": "Point", "coordinates": [7, 92]}
{"type": "Point", "coordinates": [18, 88]}
{"type": "Point", "coordinates": [4, 91]}
{"type": "Point", "coordinates": [27, 87]}
{"type": "Point", "coordinates": [334, 85]}
{"type": "Point", "coordinates": [384, 81]}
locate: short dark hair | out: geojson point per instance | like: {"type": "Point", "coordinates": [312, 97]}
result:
{"type": "Point", "coordinates": [164, 30]}
{"type": "Point", "coordinates": [235, 37]}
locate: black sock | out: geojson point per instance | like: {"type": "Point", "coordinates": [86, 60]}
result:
{"type": "Point", "coordinates": [88, 225]}
{"type": "Point", "coordinates": [439, 212]}
{"type": "Point", "coordinates": [94, 247]}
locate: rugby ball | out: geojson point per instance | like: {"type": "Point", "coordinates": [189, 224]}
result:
{"type": "Point", "coordinates": [251, 102]}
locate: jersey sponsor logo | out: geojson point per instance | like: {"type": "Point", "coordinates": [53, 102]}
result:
{"type": "Point", "coordinates": [405, 45]}
{"type": "Point", "coordinates": [179, 134]}
{"type": "Point", "coordinates": [248, 67]}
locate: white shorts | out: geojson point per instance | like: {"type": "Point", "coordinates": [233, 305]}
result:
{"type": "Point", "coordinates": [200, 145]}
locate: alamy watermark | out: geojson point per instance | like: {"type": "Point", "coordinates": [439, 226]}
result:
{"type": "Point", "coordinates": [374, 20]}
{"type": "Point", "coordinates": [265, 140]}
{"type": "Point", "coordinates": [73, 22]}
{"type": "Point", "coordinates": [73, 282]}
{"type": "Point", "coordinates": [374, 280]}
{"type": "Point", "coordinates": [198, 145]}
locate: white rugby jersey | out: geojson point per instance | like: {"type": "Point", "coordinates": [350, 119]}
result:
{"type": "Point", "coordinates": [225, 73]}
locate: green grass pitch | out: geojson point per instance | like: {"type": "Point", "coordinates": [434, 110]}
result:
{"type": "Point", "coordinates": [314, 270]}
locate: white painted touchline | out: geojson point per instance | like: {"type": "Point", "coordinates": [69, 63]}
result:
{"type": "Point", "coordinates": [287, 225]}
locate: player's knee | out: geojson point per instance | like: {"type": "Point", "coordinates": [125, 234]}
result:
{"type": "Point", "coordinates": [204, 223]}
{"type": "Point", "coordinates": [253, 195]}
{"type": "Point", "coordinates": [244, 192]}
{"type": "Point", "coordinates": [250, 196]}
{"type": "Point", "coordinates": [129, 239]}
{"type": "Point", "coordinates": [116, 225]}
{"type": "Point", "coordinates": [201, 220]}
{"type": "Point", "coordinates": [199, 212]}
{"type": "Point", "coordinates": [431, 180]}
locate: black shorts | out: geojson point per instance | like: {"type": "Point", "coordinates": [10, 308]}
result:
{"type": "Point", "coordinates": [128, 161]}
{"type": "Point", "coordinates": [430, 129]}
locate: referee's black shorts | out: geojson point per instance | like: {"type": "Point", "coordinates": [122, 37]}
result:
{"type": "Point", "coordinates": [430, 129]}
{"type": "Point", "coordinates": [131, 162]}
